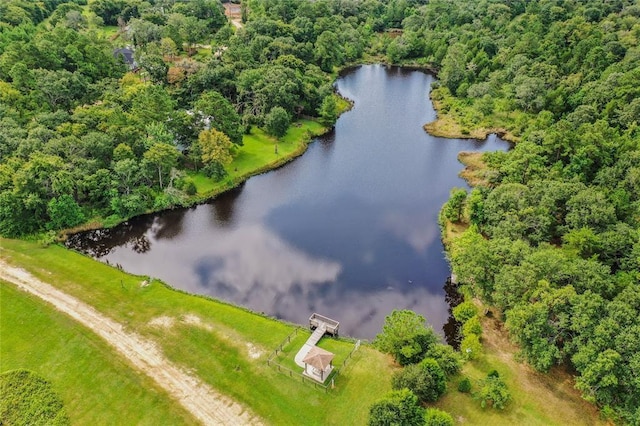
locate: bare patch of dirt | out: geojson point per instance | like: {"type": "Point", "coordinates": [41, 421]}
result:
{"type": "Point", "coordinates": [234, 13]}
{"type": "Point", "coordinates": [254, 352]}
{"type": "Point", "coordinates": [476, 171]}
{"type": "Point", "coordinates": [203, 402]}
{"type": "Point", "coordinates": [162, 322]}
{"type": "Point", "coordinates": [195, 320]}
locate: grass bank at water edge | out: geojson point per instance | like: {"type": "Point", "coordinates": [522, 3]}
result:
{"type": "Point", "coordinates": [226, 346]}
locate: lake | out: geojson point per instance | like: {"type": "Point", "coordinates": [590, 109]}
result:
{"type": "Point", "coordinates": [348, 230]}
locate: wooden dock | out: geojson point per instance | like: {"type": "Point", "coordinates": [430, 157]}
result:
{"type": "Point", "coordinates": [320, 325]}
{"type": "Point", "coordinates": [331, 326]}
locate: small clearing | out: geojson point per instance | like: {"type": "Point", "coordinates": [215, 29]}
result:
{"type": "Point", "coordinates": [203, 402]}
{"type": "Point", "coordinates": [162, 322]}
{"type": "Point", "coordinates": [254, 353]}
{"type": "Point", "coordinates": [195, 320]}
{"type": "Point", "coordinates": [234, 14]}
{"type": "Point", "coordinates": [554, 392]}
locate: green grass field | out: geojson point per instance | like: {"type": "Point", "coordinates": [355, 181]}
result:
{"type": "Point", "coordinates": [94, 383]}
{"type": "Point", "coordinates": [26, 395]}
{"type": "Point", "coordinates": [225, 346]}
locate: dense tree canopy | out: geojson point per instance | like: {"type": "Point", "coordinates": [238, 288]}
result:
{"type": "Point", "coordinates": [399, 407]}
{"type": "Point", "coordinates": [426, 380]}
{"type": "Point", "coordinates": [81, 137]}
{"type": "Point", "coordinates": [555, 233]}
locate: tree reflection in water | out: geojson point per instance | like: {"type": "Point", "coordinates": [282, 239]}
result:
{"type": "Point", "coordinates": [135, 233]}
{"type": "Point", "coordinates": [224, 206]}
{"type": "Point", "coordinates": [452, 327]}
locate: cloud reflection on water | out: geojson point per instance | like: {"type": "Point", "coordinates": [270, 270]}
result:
{"type": "Point", "coordinates": [272, 276]}
{"type": "Point", "coordinates": [255, 256]}
{"type": "Point", "coordinates": [416, 229]}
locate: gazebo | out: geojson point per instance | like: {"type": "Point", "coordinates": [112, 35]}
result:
{"type": "Point", "coordinates": [320, 362]}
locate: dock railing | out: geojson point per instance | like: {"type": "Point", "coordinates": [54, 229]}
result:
{"type": "Point", "coordinates": [316, 320]}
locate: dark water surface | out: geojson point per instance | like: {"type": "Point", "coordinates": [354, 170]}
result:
{"type": "Point", "coordinates": [348, 230]}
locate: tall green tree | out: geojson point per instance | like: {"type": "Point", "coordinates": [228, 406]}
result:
{"type": "Point", "coordinates": [276, 123]}
{"type": "Point", "coordinates": [215, 147]}
{"type": "Point", "coordinates": [220, 114]}
{"type": "Point", "coordinates": [454, 207]}
{"type": "Point", "coordinates": [405, 336]}
{"type": "Point", "coordinates": [162, 157]}
{"type": "Point", "coordinates": [64, 212]}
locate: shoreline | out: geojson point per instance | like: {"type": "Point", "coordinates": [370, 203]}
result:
{"type": "Point", "coordinates": [227, 184]}
{"type": "Point", "coordinates": [241, 338]}
{"type": "Point", "coordinates": [445, 126]}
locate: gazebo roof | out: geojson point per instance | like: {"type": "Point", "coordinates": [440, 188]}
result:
{"type": "Point", "coordinates": [318, 358]}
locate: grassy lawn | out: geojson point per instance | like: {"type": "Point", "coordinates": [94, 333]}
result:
{"type": "Point", "coordinates": [224, 345]}
{"type": "Point", "coordinates": [108, 31]}
{"type": "Point", "coordinates": [228, 347]}
{"type": "Point", "coordinates": [95, 384]}
{"type": "Point", "coordinates": [258, 155]}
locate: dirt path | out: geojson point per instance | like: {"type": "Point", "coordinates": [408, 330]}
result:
{"type": "Point", "coordinates": [203, 402]}
{"type": "Point", "coordinates": [554, 392]}
{"type": "Point", "coordinates": [234, 14]}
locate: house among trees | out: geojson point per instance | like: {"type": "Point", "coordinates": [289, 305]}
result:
{"type": "Point", "coordinates": [126, 55]}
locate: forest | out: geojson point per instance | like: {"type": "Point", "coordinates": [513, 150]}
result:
{"type": "Point", "coordinates": [553, 237]}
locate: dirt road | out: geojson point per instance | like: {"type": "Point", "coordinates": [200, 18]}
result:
{"type": "Point", "coordinates": [203, 402]}
{"type": "Point", "coordinates": [234, 14]}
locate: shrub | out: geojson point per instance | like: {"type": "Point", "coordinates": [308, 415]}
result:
{"type": "Point", "coordinates": [465, 385]}
{"type": "Point", "coordinates": [446, 357]}
{"type": "Point", "coordinates": [465, 311]}
{"type": "Point", "coordinates": [214, 170]}
{"type": "Point", "coordinates": [435, 417]}
{"type": "Point", "coordinates": [494, 392]}
{"type": "Point", "coordinates": [398, 407]}
{"type": "Point", "coordinates": [189, 187]}
{"type": "Point", "coordinates": [470, 347]}
{"type": "Point", "coordinates": [472, 326]}
{"type": "Point", "coordinates": [426, 380]}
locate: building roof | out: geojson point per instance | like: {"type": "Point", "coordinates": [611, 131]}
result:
{"type": "Point", "coordinates": [126, 54]}
{"type": "Point", "coordinates": [318, 358]}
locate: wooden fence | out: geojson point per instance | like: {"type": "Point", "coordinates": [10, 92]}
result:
{"type": "Point", "coordinates": [286, 340]}
{"type": "Point", "coordinates": [307, 380]}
